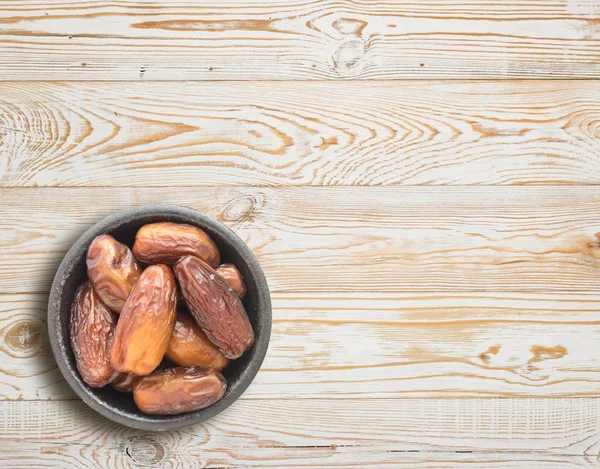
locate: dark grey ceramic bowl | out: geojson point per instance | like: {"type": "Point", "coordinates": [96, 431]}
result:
{"type": "Point", "coordinates": [119, 406]}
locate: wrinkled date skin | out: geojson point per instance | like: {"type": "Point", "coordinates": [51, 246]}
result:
{"type": "Point", "coordinates": [189, 346]}
{"type": "Point", "coordinates": [112, 270]}
{"type": "Point", "coordinates": [234, 278]}
{"type": "Point", "coordinates": [215, 307]}
{"type": "Point", "coordinates": [146, 323]}
{"type": "Point", "coordinates": [92, 328]}
{"type": "Point", "coordinates": [166, 243]}
{"type": "Point", "coordinates": [125, 382]}
{"type": "Point", "coordinates": [177, 390]}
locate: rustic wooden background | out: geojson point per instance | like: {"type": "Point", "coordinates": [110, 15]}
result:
{"type": "Point", "coordinates": [418, 179]}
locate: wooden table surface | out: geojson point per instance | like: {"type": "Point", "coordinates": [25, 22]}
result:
{"type": "Point", "coordinates": [419, 181]}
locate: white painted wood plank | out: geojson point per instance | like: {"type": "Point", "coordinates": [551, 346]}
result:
{"type": "Point", "coordinates": [346, 346]}
{"type": "Point", "coordinates": [166, 134]}
{"type": "Point", "coordinates": [334, 239]}
{"type": "Point", "coordinates": [294, 39]}
{"type": "Point", "coordinates": [27, 368]}
{"type": "Point", "coordinates": [28, 455]}
{"type": "Point", "coordinates": [377, 433]}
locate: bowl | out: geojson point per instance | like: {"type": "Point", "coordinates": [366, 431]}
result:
{"type": "Point", "coordinates": [123, 226]}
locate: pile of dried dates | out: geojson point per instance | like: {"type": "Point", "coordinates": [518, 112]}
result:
{"type": "Point", "coordinates": [183, 307]}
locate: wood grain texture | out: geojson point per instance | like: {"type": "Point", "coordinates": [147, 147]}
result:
{"type": "Point", "coordinates": [561, 433]}
{"type": "Point", "coordinates": [26, 455]}
{"type": "Point", "coordinates": [332, 239]}
{"type": "Point", "coordinates": [295, 39]}
{"type": "Point", "coordinates": [345, 346]}
{"type": "Point", "coordinates": [401, 313]}
{"type": "Point", "coordinates": [165, 134]}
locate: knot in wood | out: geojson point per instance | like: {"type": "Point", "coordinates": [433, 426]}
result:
{"type": "Point", "coordinates": [348, 55]}
{"type": "Point", "coordinates": [24, 338]}
{"type": "Point", "coordinates": [240, 209]}
{"type": "Point", "coordinates": [145, 451]}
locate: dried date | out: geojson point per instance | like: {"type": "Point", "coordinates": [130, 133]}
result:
{"type": "Point", "coordinates": [112, 270]}
{"type": "Point", "coordinates": [125, 382]}
{"type": "Point", "coordinates": [214, 306]}
{"type": "Point", "coordinates": [146, 323]}
{"type": "Point", "coordinates": [177, 390]}
{"type": "Point", "coordinates": [167, 242]}
{"type": "Point", "coordinates": [92, 327]}
{"type": "Point", "coordinates": [189, 346]}
{"type": "Point", "coordinates": [234, 279]}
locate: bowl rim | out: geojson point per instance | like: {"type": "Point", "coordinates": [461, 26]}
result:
{"type": "Point", "coordinates": [57, 341]}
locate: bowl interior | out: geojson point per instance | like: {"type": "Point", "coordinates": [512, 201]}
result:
{"type": "Point", "coordinates": [123, 227]}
